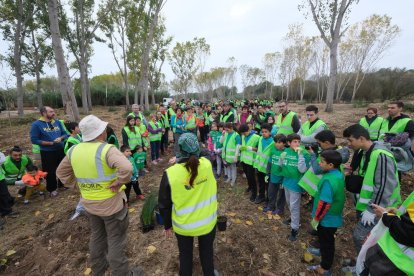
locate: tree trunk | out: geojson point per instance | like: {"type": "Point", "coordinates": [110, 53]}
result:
{"type": "Point", "coordinates": [18, 43]}
{"type": "Point", "coordinates": [66, 89]}
{"type": "Point", "coordinates": [83, 80]}
{"type": "Point", "coordinates": [38, 90]}
{"type": "Point", "coordinates": [333, 62]}
{"type": "Point", "coordinates": [152, 97]}
{"type": "Point", "coordinates": [355, 88]}
{"type": "Point", "coordinates": [88, 90]}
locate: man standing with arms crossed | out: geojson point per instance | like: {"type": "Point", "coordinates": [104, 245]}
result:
{"type": "Point", "coordinates": [101, 170]}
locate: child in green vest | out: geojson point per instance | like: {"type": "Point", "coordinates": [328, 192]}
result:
{"type": "Point", "coordinates": [231, 144]}
{"type": "Point", "coordinates": [264, 148]}
{"type": "Point", "coordinates": [294, 161]}
{"type": "Point", "coordinates": [214, 146]}
{"type": "Point", "coordinates": [140, 158]}
{"type": "Point", "coordinates": [327, 209]}
{"type": "Point", "coordinates": [250, 141]}
{"type": "Point", "coordinates": [74, 137]}
{"type": "Point", "coordinates": [277, 199]}
{"type": "Point", "coordinates": [134, 178]}
{"type": "Point", "coordinates": [111, 137]}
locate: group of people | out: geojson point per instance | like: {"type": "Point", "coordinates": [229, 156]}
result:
{"type": "Point", "coordinates": [285, 159]}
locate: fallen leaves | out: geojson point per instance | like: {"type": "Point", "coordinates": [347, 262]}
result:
{"type": "Point", "coordinates": [151, 249]}
{"type": "Point", "coordinates": [51, 216]}
{"type": "Point", "coordinates": [37, 213]}
{"type": "Point", "coordinates": [231, 214]}
{"type": "Point", "coordinates": [131, 210]}
{"type": "Point", "coordinates": [10, 252]}
{"type": "Point", "coordinates": [249, 222]}
{"type": "Point", "coordinates": [87, 271]}
{"type": "Point", "coordinates": [308, 257]}
{"type": "Point", "coordinates": [236, 221]}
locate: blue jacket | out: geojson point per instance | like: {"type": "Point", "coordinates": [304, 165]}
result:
{"type": "Point", "coordinates": [47, 131]}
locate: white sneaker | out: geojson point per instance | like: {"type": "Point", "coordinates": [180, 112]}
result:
{"type": "Point", "coordinates": [53, 194]}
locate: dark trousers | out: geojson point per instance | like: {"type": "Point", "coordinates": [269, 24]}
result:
{"type": "Point", "coordinates": [164, 141]}
{"type": "Point", "coordinates": [155, 150]}
{"type": "Point", "coordinates": [203, 133]}
{"type": "Point", "coordinates": [249, 171]}
{"type": "Point", "coordinates": [135, 185]}
{"type": "Point", "coordinates": [378, 264]}
{"type": "Point", "coordinates": [6, 200]}
{"type": "Point", "coordinates": [277, 197]}
{"type": "Point", "coordinates": [50, 162]}
{"type": "Point", "coordinates": [326, 237]}
{"type": "Point", "coordinates": [205, 245]}
{"type": "Point", "coordinates": [262, 184]}
{"type": "Point", "coordinates": [108, 243]}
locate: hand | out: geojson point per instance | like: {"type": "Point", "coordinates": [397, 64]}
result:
{"type": "Point", "coordinates": [392, 210]}
{"type": "Point", "coordinates": [367, 218]}
{"type": "Point", "coordinates": [310, 150]}
{"type": "Point", "coordinates": [168, 233]}
{"type": "Point", "coordinates": [243, 148]}
{"type": "Point", "coordinates": [114, 187]}
{"type": "Point", "coordinates": [282, 156]}
{"type": "Point", "coordinates": [266, 179]}
{"type": "Point", "coordinates": [58, 140]}
{"type": "Point", "coordinates": [235, 159]}
{"type": "Point", "coordinates": [298, 150]}
{"type": "Point", "coordinates": [314, 224]}
{"type": "Point", "coordinates": [144, 148]}
{"type": "Point", "coordinates": [379, 210]}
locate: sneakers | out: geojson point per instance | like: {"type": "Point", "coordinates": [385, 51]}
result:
{"type": "Point", "coordinates": [252, 198]}
{"type": "Point", "coordinates": [319, 270]}
{"type": "Point", "coordinates": [287, 221]}
{"type": "Point", "coordinates": [259, 200]}
{"type": "Point", "coordinates": [154, 162]}
{"type": "Point", "coordinates": [25, 202]}
{"type": "Point", "coordinates": [267, 209]}
{"type": "Point", "coordinates": [141, 197]}
{"type": "Point", "coordinates": [228, 179]}
{"type": "Point", "coordinates": [159, 159]}
{"type": "Point", "coordinates": [41, 193]}
{"type": "Point", "coordinates": [54, 194]}
{"type": "Point", "coordinates": [293, 234]}
{"type": "Point", "coordinates": [145, 170]}
{"type": "Point", "coordinates": [312, 232]}
{"type": "Point", "coordinates": [277, 212]}
{"type": "Point", "coordinates": [314, 251]}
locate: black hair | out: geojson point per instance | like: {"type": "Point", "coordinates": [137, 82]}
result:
{"type": "Point", "coordinates": [243, 128]}
{"type": "Point", "coordinates": [280, 138]}
{"type": "Point", "coordinates": [124, 148]}
{"type": "Point", "coordinates": [400, 104]}
{"type": "Point", "coordinates": [326, 136]}
{"type": "Point", "coordinates": [221, 124]}
{"type": "Point", "coordinates": [332, 157]}
{"type": "Point", "coordinates": [109, 130]}
{"type": "Point", "coordinates": [313, 108]}
{"type": "Point", "coordinates": [137, 147]}
{"type": "Point", "coordinates": [356, 131]}
{"type": "Point", "coordinates": [31, 168]}
{"type": "Point", "coordinates": [293, 136]}
{"type": "Point", "coordinates": [16, 149]}
{"type": "Point", "coordinates": [229, 125]}
{"type": "Point", "coordinates": [266, 126]}
{"type": "Point", "coordinates": [42, 110]}
{"type": "Point", "coordinates": [71, 126]}
{"type": "Point", "coordinates": [129, 118]}
{"type": "Point", "coordinates": [179, 109]}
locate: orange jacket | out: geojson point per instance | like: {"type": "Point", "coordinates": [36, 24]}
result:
{"type": "Point", "coordinates": [33, 180]}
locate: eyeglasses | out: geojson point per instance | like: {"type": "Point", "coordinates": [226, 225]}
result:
{"type": "Point", "coordinates": [281, 106]}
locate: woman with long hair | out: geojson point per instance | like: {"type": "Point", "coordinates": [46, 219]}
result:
{"type": "Point", "coordinates": [131, 136]}
{"type": "Point", "coordinates": [191, 187]}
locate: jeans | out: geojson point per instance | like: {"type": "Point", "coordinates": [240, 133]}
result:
{"type": "Point", "coordinates": [108, 243]}
{"type": "Point", "coordinates": [277, 197]}
{"type": "Point", "coordinates": [293, 201]}
{"type": "Point", "coordinates": [176, 147]}
{"type": "Point", "coordinates": [50, 162]}
{"type": "Point", "coordinates": [205, 245]}
{"type": "Point", "coordinates": [164, 141]}
{"type": "Point", "coordinates": [251, 178]}
{"type": "Point", "coordinates": [219, 164]}
{"type": "Point", "coordinates": [155, 150]}
{"type": "Point", "coordinates": [326, 237]}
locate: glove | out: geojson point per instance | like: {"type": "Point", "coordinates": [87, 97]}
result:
{"type": "Point", "coordinates": [298, 150]}
{"type": "Point", "coordinates": [367, 218]}
{"type": "Point", "coordinates": [249, 148]}
{"type": "Point", "coordinates": [243, 148]}
{"type": "Point", "coordinates": [314, 224]}
{"type": "Point", "coordinates": [282, 156]}
{"type": "Point", "coordinates": [266, 179]}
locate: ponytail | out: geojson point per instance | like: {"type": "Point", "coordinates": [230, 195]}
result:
{"type": "Point", "coordinates": [192, 167]}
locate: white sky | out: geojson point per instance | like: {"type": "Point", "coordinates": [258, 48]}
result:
{"type": "Point", "coordinates": [247, 29]}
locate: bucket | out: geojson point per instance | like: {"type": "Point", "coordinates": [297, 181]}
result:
{"type": "Point", "coordinates": [222, 223]}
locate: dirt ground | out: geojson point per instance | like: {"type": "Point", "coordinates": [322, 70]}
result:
{"type": "Point", "coordinates": [42, 240]}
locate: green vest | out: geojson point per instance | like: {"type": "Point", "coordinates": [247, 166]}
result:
{"type": "Point", "coordinates": [35, 149]}
{"type": "Point", "coordinates": [398, 127]}
{"type": "Point", "coordinates": [142, 129]}
{"type": "Point", "coordinates": [285, 126]}
{"type": "Point", "coordinates": [190, 123]}
{"type": "Point", "coordinates": [139, 159]}
{"type": "Point", "coordinates": [215, 138]}
{"type": "Point", "coordinates": [194, 210]}
{"type": "Point", "coordinates": [224, 118]}
{"type": "Point", "coordinates": [171, 111]}
{"type": "Point", "coordinates": [114, 139]}
{"type": "Point", "coordinates": [308, 131]}
{"type": "Point", "coordinates": [62, 122]}
{"type": "Point", "coordinates": [12, 173]}
{"type": "Point", "coordinates": [262, 117]}
{"type": "Point", "coordinates": [368, 183]}
{"type": "Point", "coordinates": [1, 174]}
{"type": "Point", "coordinates": [140, 116]}
{"type": "Point", "coordinates": [290, 164]}
{"type": "Point", "coordinates": [248, 156]}
{"type": "Point", "coordinates": [229, 153]}
{"type": "Point", "coordinates": [92, 172]}
{"type": "Point", "coordinates": [154, 137]}
{"type": "Point", "coordinates": [134, 139]}
{"type": "Point", "coordinates": [373, 128]}
{"type": "Point", "coordinates": [404, 206]}
{"type": "Point", "coordinates": [166, 121]}
{"type": "Point", "coordinates": [338, 189]}
{"type": "Point", "coordinates": [401, 256]}
{"type": "Point", "coordinates": [206, 119]}
{"type": "Point", "coordinates": [276, 169]}
{"type": "Point", "coordinates": [262, 156]}
{"type": "Point", "coordinates": [71, 140]}
{"type": "Point", "coordinates": [309, 181]}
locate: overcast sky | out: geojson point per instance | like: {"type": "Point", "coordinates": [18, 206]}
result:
{"type": "Point", "coordinates": [247, 29]}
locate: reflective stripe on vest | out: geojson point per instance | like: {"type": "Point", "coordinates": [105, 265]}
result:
{"type": "Point", "coordinates": [309, 181]}
{"type": "Point", "coordinates": [398, 127]}
{"type": "Point", "coordinates": [374, 128]}
{"type": "Point", "coordinates": [229, 152]}
{"type": "Point", "coordinates": [190, 123]}
{"type": "Point", "coordinates": [262, 156]}
{"type": "Point", "coordinates": [407, 201]}
{"type": "Point", "coordinates": [224, 118]}
{"type": "Point", "coordinates": [154, 137]}
{"type": "Point", "coordinates": [285, 126]}
{"type": "Point", "coordinates": [11, 172]}
{"type": "Point", "coordinates": [134, 139]}
{"type": "Point", "coordinates": [368, 183]}
{"type": "Point", "coordinates": [93, 174]}
{"type": "Point", "coordinates": [194, 210]}
{"type": "Point", "coordinates": [71, 140]}
{"type": "Point", "coordinates": [307, 130]}
{"type": "Point", "coordinates": [248, 156]}
{"type": "Point", "coordinates": [262, 117]}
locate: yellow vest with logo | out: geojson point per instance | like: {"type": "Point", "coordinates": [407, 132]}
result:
{"type": "Point", "coordinates": [92, 172]}
{"type": "Point", "coordinates": [194, 208]}
{"type": "Point", "coordinates": [285, 126]}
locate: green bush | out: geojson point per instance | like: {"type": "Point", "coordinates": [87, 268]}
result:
{"type": "Point", "coordinates": [409, 107]}
{"type": "Point", "coordinates": [113, 109]}
{"type": "Point", "coordinates": [359, 103]}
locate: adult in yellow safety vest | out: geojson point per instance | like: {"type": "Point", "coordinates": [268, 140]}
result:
{"type": "Point", "coordinates": [372, 122]}
{"type": "Point", "coordinates": [311, 127]}
{"type": "Point", "coordinates": [136, 113]}
{"type": "Point", "coordinates": [394, 252]}
{"type": "Point", "coordinates": [6, 200]}
{"type": "Point", "coordinates": [260, 117]}
{"type": "Point", "coordinates": [131, 136]}
{"type": "Point", "coordinates": [100, 170]}
{"type": "Point", "coordinates": [14, 166]}
{"type": "Point", "coordinates": [376, 166]}
{"type": "Point", "coordinates": [397, 122]}
{"type": "Point", "coordinates": [227, 116]}
{"type": "Point", "coordinates": [287, 121]}
{"type": "Point", "coordinates": [188, 204]}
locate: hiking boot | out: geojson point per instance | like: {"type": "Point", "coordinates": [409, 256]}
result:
{"type": "Point", "coordinates": [287, 221]}
{"type": "Point", "coordinates": [315, 244]}
{"type": "Point", "coordinates": [259, 200]}
{"type": "Point", "coordinates": [252, 198]}
{"type": "Point", "coordinates": [314, 251]}
{"type": "Point", "coordinates": [293, 234]}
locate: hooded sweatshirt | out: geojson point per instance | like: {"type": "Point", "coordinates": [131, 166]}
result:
{"type": "Point", "coordinates": [47, 131]}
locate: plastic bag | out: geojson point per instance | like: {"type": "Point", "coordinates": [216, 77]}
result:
{"type": "Point", "coordinates": [78, 211]}
{"type": "Point", "coordinates": [376, 233]}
